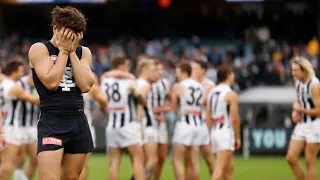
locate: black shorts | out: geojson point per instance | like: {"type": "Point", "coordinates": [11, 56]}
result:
{"type": "Point", "coordinates": [70, 132]}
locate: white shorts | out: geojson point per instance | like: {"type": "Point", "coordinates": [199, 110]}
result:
{"type": "Point", "coordinates": [222, 139]}
{"type": "Point", "coordinates": [204, 135]}
{"type": "Point", "coordinates": [309, 132]}
{"type": "Point", "coordinates": [29, 134]}
{"type": "Point", "coordinates": [186, 134]}
{"type": "Point", "coordinates": [150, 135]}
{"type": "Point", "coordinates": [93, 135]}
{"type": "Point", "coordinates": [13, 135]}
{"type": "Point", "coordinates": [125, 136]}
{"type": "Point", "coordinates": [162, 133]}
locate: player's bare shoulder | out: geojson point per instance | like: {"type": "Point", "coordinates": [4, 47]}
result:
{"type": "Point", "coordinates": [232, 96]}
{"type": "Point", "coordinates": [37, 52]}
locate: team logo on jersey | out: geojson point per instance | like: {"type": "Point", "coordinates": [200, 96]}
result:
{"type": "Point", "coordinates": [51, 140]}
{"type": "Point", "coordinates": [54, 58]}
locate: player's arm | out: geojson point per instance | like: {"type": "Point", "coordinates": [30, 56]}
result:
{"type": "Point", "coordinates": [232, 98]}
{"type": "Point", "coordinates": [137, 93]}
{"type": "Point", "coordinates": [118, 74]}
{"type": "Point", "coordinates": [166, 107]}
{"type": "Point", "coordinates": [98, 95]}
{"type": "Point", "coordinates": [1, 124]}
{"type": "Point", "coordinates": [209, 113]}
{"type": "Point", "coordinates": [20, 93]}
{"type": "Point", "coordinates": [315, 92]}
{"type": "Point", "coordinates": [81, 69]}
{"type": "Point", "coordinates": [49, 74]}
{"type": "Point", "coordinates": [177, 91]}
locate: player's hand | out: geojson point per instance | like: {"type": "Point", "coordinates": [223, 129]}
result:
{"type": "Point", "coordinates": [296, 117]}
{"type": "Point", "coordinates": [3, 143]}
{"type": "Point", "coordinates": [64, 40]}
{"type": "Point", "coordinates": [167, 108]}
{"type": "Point", "coordinates": [160, 118]}
{"type": "Point", "coordinates": [76, 38]}
{"type": "Point", "coordinates": [297, 107]}
{"type": "Point", "coordinates": [237, 144]}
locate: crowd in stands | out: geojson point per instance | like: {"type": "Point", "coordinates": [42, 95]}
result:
{"type": "Point", "coordinates": [256, 62]}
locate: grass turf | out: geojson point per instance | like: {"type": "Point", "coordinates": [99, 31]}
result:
{"type": "Point", "coordinates": [254, 168]}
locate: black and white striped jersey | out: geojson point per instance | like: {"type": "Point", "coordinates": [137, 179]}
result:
{"type": "Point", "coordinates": [305, 97]}
{"type": "Point", "coordinates": [11, 107]}
{"type": "Point", "coordinates": [122, 106]}
{"type": "Point", "coordinates": [191, 102]}
{"type": "Point", "coordinates": [159, 93]}
{"type": "Point", "coordinates": [148, 118]}
{"type": "Point", "coordinates": [29, 112]}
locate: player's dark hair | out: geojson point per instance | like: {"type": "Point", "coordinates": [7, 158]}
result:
{"type": "Point", "coordinates": [202, 64]}
{"type": "Point", "coordinates": [69, 17]}
{"type": "Point", "coordinates": [12, 66]}
{"type": "Point", "coordinates": [223, 72]}
{"type": "Point", "coordinates": [185, 67]}
{"type": "Point", "coordinates": [118, 61]}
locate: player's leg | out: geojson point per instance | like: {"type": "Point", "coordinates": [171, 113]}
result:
{"type": "Point", "coordinates": [151, 158]}
{"type": "Point", "coordinates": [136, 153]}
{"type": "Point", "coordinates": [71, 166]}
{"type": "Point", "coordinates": [194, 154]}
{"type": "Point", "coordinates": [21, 156]}
{"type": "Point", "coordinates": [49, 163]}
{"type": "Point", "coordinates": [85, 170]}
{"type": "Point", "coordinates": [18, 172]}
{"type": "Point", "coordinates": [295, 149]}
{"type": "Point", "coordinates": [178, 152]}
{"type": "Point", "coordinates": [208, 156]}
{"type": "Point", "coordinates": [187, 165]}
{"type": "Point", "coordinates": [150, 148]}
{"type": "Point", "coordinates": [32, 152]}
{"type": "Point", "coordinates": [223, 159]}
{"type": "Point", "coordinates": [229, 171]}
{"type": "Point", "coordinates": [8, 157]}
{"type": "Point", "coordinates": [162, 155]}
{"type": "Point", "coordinates": [311, 153]}
{"type": "Point", "coordinates": [114, 163]}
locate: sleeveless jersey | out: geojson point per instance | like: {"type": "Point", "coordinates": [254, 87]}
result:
{"type": "Point", "coordinates": [29, 112]}
{"type": "Point", "coordinates": [122, 106]}
{"type": "Point", "coordinates": [87, 111]}
{"type": "Point", "coordinates": [305, 97]}
{"type": "Point", "coordinates": [10, 105]}
{"type": "Point", "coordinates": [220, 109]}
{"type": "Point", "coordinates": [67, 99]}
{"type": "Point", "coordinates": [205, 83]}
{"type": "Point", "coordinates": [159, 93]}
{"type": "Point", "coordinates": [148, 116]}
{"type": "Point", "coordinates": [191, 102]}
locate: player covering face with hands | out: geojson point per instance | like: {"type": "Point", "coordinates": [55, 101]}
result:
{"type": "Point", "coordinates": [61, 73]}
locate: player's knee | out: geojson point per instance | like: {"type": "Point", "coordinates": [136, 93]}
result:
{"type": "Point", "coordinates": [310, 160]}
{"type": "Point", "coordinates": [229, 169]}
{"type": "Point", "coordinates": [71, 176]}
{"type": "Point", "coordinates": [161, 159]}
{"type": "Point", "coordinates": [7, 168]}
{"type": "Point", "coordinates": [291, 159]}
{"type": "Point", "coordinates": [34, 162]}
{"type": "Point", "coordinates": [48, 176]}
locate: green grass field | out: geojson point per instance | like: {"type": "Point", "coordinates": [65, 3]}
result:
{"type": "Point", "coordinates": [254, 168]}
